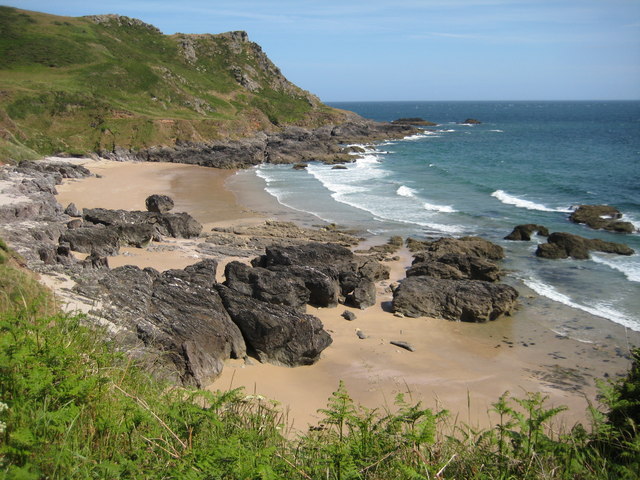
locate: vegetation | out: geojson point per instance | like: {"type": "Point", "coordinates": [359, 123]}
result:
{"type": "Point", "coordinates": [72, 407]}
{"type": "Point", "coordinates": [85, 84]}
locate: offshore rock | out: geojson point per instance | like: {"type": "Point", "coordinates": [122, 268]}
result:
{"type": "Point", "coordinates": [563, 245]}
{"type": "Point", "coordinates": [275, 333]}
{"type": "Point", "coordinates": [524, 232]}
{"type": "Point", "coordinates": [465, 300]}
{"type": "Point", "coordinates": [601, 217]}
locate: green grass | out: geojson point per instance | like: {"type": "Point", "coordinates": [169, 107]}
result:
{"type": "Point", "coordinates": [71, 407]}
{"type": "Point", "coordinates": [62, 79]}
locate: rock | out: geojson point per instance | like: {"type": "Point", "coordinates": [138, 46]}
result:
{"type": "Point", "coordinates": [601, 217]}
{"type": "Point", "coordinates": [401, 344]}
{"type": "Point", "coordinates": [73, 211]}
{"type": "Point", "coordinates": [94, 261]}
{"type": "Point", "coordinates": [414, 121]}
{"type": "Point", "coordinates": [275, 333]}
{"type": "Point", "coordinates": [322, 284]}
{"type": "Point", "coordinates": [300, 166]}
{"type": "Point", "coordinates": [75, 223]}
{"type": "Point", "coordinates": [363, 295]}
{"type": "Point", "coordinates": [278, 288]}
{"type": "Point", "coordinates": [524, 232]}
{"type": "Point", "coordinates": [564, 245]}
{"type": "Point", "coordinates": [475, 246]}
{"type": "Point", "coordinates": [178, 315]}
{"type": "Point", "coordinates": [471, 121]}
{"type": "Point", "coordinates": [177, 225]}
{"type": "Point", "coordinates": [349, 315]}
{"type": "Point", "coordinates": [100, 240]}
{"type": "Point", "coordinates": [455, 266]}
{"type": "Point", "coordinates": [360, 334]}
{"type": "Point", "coordinates": [466, 300]}
{"type": "Point", "coordinates": [339, 167]}
{"type": "Point", "coordinates": [159, 203]}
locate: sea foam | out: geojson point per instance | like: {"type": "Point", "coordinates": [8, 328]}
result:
{"type": "Point", "coordinates": [508, 199]}
{"type": "Point", "coordinates": [629, 266]}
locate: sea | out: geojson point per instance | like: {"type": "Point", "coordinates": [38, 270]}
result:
{"type": "Point", "coordinates": [526, 162]}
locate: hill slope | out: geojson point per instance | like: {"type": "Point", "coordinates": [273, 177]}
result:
{"type": "Point", "coordinates": [87, 84]}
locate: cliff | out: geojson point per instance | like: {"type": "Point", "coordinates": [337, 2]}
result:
{"type": "Point", "coordinates": [107, 82]}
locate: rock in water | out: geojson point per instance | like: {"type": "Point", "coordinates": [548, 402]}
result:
{"type": "Point", "coordinates": [601, 217]}
{"type": "Point", "coordinates": [466, 300]}
{"type": "Point", "coordinates": [563, 245]}
{"type": "Point", "coordinates": [277, 334]}
{"type": "Point", "coordinates": [159, 203]}
{"type": "Point", "coordinates": [524, 232]}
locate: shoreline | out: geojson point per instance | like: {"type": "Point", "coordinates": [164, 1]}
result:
{"type": "Point", "coordinates": [459, 366]}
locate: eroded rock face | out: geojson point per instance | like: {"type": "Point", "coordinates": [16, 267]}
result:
{"type": "Point", "coordinates": [601, 217]}
{"type": "Point", "coordinates": [455, 266]}
{"type": "Point", "coordinates": [565, 245]}
{"type": "Point", "coordinates": [178, 315]}
{"type": "Point", "coordinates": [468, 301]}
{"type": "Point", "coordinates": [276, 333]}
{"type": "Point", "coordinates": [474, 246]}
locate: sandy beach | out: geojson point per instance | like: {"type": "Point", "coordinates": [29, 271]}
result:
{"type": "Point", "coordinates": [462, 367]}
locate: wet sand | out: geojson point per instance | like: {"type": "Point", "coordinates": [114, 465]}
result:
{"type": "Point", "coordinates": [458, 366]}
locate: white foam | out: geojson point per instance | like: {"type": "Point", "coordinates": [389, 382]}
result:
{"type": "Point", "coordinates": [633, 221]}
{"type": "Point", "coordinates": [439, 208]}
{"type": "Point", "coordinates": [405, 191]}
{"type": "Point", "coordinates": [496, 130]}
{"type": "Point", "coordinates": [629, 266]}
{"type": "Point", "coordinates": [419, 136]}
{"type": "Point", "coordinates": [508, 199]}
{"type": "Point", "coordinates": [599, 309]}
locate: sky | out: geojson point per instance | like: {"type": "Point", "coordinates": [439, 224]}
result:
{"type": "Point", "coordinates": [382, 50]}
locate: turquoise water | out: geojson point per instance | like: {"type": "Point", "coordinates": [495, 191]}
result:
{"type": "Point", "coordinates": [527, 162]}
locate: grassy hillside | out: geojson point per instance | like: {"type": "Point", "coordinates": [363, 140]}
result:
{"type": "Point", "coordinates": [84, 84]}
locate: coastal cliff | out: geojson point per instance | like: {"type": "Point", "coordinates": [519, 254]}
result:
{"type": "Point", "coordinates": [118, 87]}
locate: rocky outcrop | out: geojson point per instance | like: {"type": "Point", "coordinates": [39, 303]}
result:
{"type": "Point", "coordinates": [469, 301]}
{"type": "Point", "coordinates": [471, 121]}
{"type": "Point", "coordinates": [276, 333]}
{"type": "Point", "coordinates": [602, 217]}
{"type": "Point", "coordinates": [564, 245]}
{"type": "Point", "coordinates": [414, 121]}
{"type": "Point", "coordinates": [524, 232]}
{"type": "Point", "coordinates": [290, 145]}
{"type": "Point", "coordinates": [475, 246]}
{"type": "Point", "coordinates": [177, 315]}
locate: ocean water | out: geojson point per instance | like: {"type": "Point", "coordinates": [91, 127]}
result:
{"type": "Point", "coordinates": [527, 162]}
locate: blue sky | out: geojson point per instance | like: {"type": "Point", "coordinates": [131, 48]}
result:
{"type": "Point", "coordinates": [418, 49]}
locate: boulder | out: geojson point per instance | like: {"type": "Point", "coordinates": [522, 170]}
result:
{"type": "Point", "coordinates": [276, 333]}
{"type": "Point", "coordinates": [524, 232]}
{"type": "Point", "coordinates": [465, 300]}
{"type": "Point", "coordinates": [601, 217]}
{"type": "Point", "coordinates": [279, 288]}
{"type": "Point", "coordinates": [456, 266]}
{"type": "Point", "coordinates": [471, 121]}
{"type": "Point", "coordinates": [177, 225]}
{"type": "Point", "coordinates": [363, 295]}
{"type": "Point", "coordinates": [100, 240]}
{"type": "Point", "coordinates": [159, 203]}
{"type": "Point", "coordinates": [348, 315]}
{"type": "Point", "coordinates": [475, 246]}
{"type": "Point", "coordinates": [73, 211]}
{"type": "Point", "coordinates": [564, 245]}
{"type": "Point", "coordinates": [322, 283]}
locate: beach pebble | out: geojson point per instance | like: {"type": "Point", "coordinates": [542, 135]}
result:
{"type": "Point", "coordinates": [360, 334]}
{"type": "Point", "coordinates": [348, 315]}
{"type": "Point", "coordinates": [401, 344]}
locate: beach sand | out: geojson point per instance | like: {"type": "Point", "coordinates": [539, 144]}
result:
{"type": "Point", "coordinates": [462, 367]}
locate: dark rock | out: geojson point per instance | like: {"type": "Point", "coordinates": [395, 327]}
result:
{"type": "Point", "coordinates": [322, 283]}
{"type": "Point", "coordinates": [59, 169]}
{"type": "Point", "coordinates": [94, 261]}
{"type": "Point", "coordinates": [300, 166]}
{"type": "Point", "coordinates": [601, 217]}
{"type": "Point", "coordinates": [277, 334]}
{"type": "Point", "coordinates": [136, 235]}
{"type": "Point", "coordinates": [159, 203]}
{"type": "Point", "coordinates": [279, 288]}
{"type": "Point", "coordinates": [524, 232]}
{"type": "Point", "coordinates": [466, 300]}
{"type": "Point", "coordinates": [455, 266]}
{"type": "Point", "coordinates": [475, 246]}
{"type": "Point", "coordinates": [73, 211]}
{"type": "Point", "coordinates": [339, 167]}
{"type": "Point", "coordinates": [178, 225]}
{"type": "Point", "coordinates": [349, 315]}
{"type": "Point", "coordinates": [363, 295]}
{"type": "Point", "coordinates": [414, 121]}
{"type": "Point", "coordinates": [178, 315]}
{"type": "Point", "coordinates": [471, 121]}
{"type": "Point", "coordinates": [564, 245]}
{"type": "Point", "coordinates": [100, 240]}
{"type": "Point", "coordinates": [402, 344]}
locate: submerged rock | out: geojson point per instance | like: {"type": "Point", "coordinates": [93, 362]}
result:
{"type": "Point", "coordinates": [524, 232]}
{"type": "Point", "coordinates": [601, 217]}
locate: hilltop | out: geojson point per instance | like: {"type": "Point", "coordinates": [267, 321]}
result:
{"type": "Point", "coordinates": [106, 82]}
